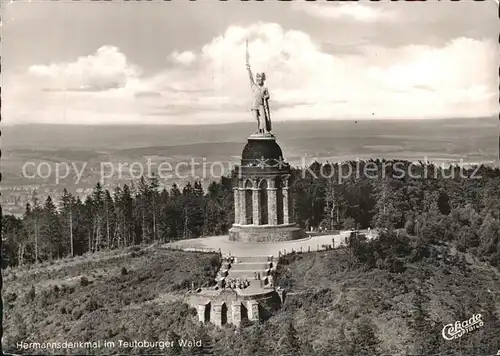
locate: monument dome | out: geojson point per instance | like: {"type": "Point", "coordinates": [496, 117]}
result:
{"type": "Point", "coordinates": [261, 148]}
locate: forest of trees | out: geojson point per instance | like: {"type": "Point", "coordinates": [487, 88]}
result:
{"type": "Point", "coordinates": [137, 214]}
{"type": "Point", "coordinates": [441, 205]}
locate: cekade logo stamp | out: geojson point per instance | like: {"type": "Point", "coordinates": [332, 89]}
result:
{"type": "Point", "coordinates": [459, 329]}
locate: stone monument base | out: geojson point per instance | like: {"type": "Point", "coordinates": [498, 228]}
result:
{"type": "Point", "coordinates": [265, 233]}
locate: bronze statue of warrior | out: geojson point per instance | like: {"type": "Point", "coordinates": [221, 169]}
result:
{"type": "Point", "coordinates": [260, 99]}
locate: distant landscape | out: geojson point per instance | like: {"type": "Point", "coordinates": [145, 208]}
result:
{"type": "Point", "coordinates": [440, 141]}
{"type": "Point", "coordinates": [102, 269]}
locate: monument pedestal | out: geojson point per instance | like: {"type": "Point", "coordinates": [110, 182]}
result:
{"type": "Point", "coordinates": [261, 194]}
{"type": "Point", "coordinates": [265, 233]}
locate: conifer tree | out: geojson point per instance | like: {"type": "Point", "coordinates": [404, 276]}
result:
{"type": "Point", "coordinates": [176, 348]}
{"type": "Point", "coordinates": [97, 216]}
{"type": "Point", "coordinates": [51, 240]}
{"type": "Point", "coordinates": [67, 219]}
{"type": "Point", "coordinates": [154, 187]}
{"type": "Point", "coordinates": [289, 344]}
{"type": "Point", "coordinates": [206, 347]}
{"type": "Point", "coordinates": [364, 339]}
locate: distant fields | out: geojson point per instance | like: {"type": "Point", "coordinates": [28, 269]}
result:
{"type": "Point", "coordinates": [439, 141]}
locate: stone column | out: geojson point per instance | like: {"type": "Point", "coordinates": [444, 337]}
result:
{"type": "Point", "coordinates": [201, 312]}
{"type": "Point", "coordinates": [256, 204]}
{"type": "Point", "coordinates": [243, 207]}
{"type": "Point", "coordinates": [236, 313]}
{"type": "Point", "coordinates": [271, 202]}
{"type": "Point", "coordinates": [253, 310]}
{"type": "Point", "coordinates": [217, 313]}
{"type": "Point", "coordinates": [236, 192]}
{"type": "Point", "coordinates": [284, 189]}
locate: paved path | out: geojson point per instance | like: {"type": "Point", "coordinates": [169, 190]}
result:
{"type": "Point", "coordinates": [258, 249]}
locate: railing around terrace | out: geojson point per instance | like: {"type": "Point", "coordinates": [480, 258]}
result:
{"type": "Point", "coordinates": [318, 247]}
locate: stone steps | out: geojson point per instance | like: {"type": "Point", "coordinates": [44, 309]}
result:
{"type": "Point", "coordinates": [252, 266]}
{"type": "Point", "coordinates": [246, 267]}
{"type": "Point", "coordinates": [253, 259]}
{"type": "Point", "coordinates": [246, 273]}
{"type": "Point", "coordinates": [252, 278]}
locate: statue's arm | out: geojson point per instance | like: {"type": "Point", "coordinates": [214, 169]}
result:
{"type": "Point", "coordinates": [250, 75]}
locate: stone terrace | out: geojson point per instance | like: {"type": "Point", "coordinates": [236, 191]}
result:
{"type": "Point", "coordinates": [227, 247]}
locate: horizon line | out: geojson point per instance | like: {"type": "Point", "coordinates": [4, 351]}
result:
{"type": "Point", "coordinates": [248, 122]}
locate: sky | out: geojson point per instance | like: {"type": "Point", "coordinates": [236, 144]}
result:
{"type": "Point", "coordinates": [182, 62]}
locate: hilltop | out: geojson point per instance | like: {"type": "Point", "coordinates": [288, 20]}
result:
{"type": "Point", "coordinates": [333, 303]}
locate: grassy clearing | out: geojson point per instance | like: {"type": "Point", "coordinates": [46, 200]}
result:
{"type": "Point", "coordinates": [131, 294]}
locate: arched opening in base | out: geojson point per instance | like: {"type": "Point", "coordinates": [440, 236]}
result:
{"type": "Point", "coordinates": [249, 203]}
{"type": "Point", "coordinates": [279, 201]}
{"type": "Point", "coordinates": [208, 307]}
{"type": "Point", "coordinates": [223, 314]}
{"type": "Point", "coordinates": [263, 202]}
